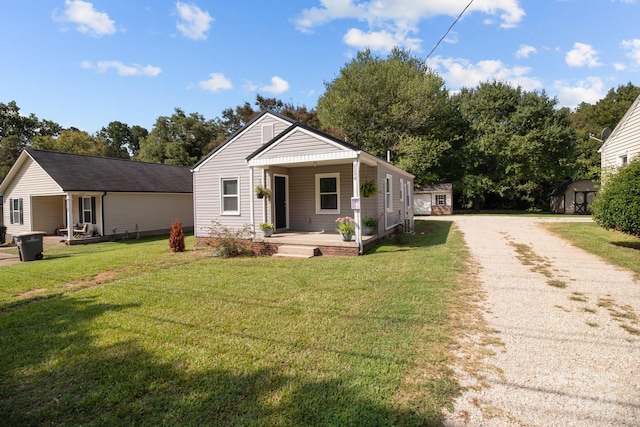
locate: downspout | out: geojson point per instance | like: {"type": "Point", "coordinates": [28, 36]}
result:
{"type": "Point", "coordinates": [252, 216]}
{"type": "Point", "coordinates": [357, 213]}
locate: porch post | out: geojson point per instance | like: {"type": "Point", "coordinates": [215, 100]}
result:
{"type": "Point", "coordinates": [69, 217]}
{"type": "Point", "coordinates": [263, 178]}
{"type": "Point", "coordinates": [251, 203]}
{"type": "Point", "coordinates": [357, 215]}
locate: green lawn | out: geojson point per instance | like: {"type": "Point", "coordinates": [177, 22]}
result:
{"type": "Point", "coordinates": [131, 334]}
{"type": "Point", "coordinates": [615, 247]}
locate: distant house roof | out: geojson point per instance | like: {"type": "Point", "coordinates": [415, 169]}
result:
{"type": "Point", "coordinates": [77, 172]}
{"type": "Point", "coordinates": [561, 189]}
{"type": "Point", "coordinates": [435, 188]}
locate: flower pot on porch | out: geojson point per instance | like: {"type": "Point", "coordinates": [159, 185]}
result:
{"type": "Point", "coordinates": [267, 232]}
{"type": "Point", "coordinates": [346, 236]}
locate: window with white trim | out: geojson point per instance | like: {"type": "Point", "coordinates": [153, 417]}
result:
{"type": "Point", "coordinates": [86, 209]}
{"type": "Point", "coordinates": [441, 199]}
{"type": "Point", "coordinates": [328, 193]}
{"type": "Point", "coordinates": [16, 215]}
{"type": "Point", "coordinates": [388, 193]}
{"type": "Point", "coordinates": [401, 189]}
{"type": "Point", "coordinates": [230, 195]}
{"type": "Point", "coordinates": [623, 160]}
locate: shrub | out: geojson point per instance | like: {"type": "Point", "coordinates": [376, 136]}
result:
{"type": "Point", "coordinates": [617, 205]}
{"type": "Point", "coordinates": [176, 238]}
{"type": "Point", "coordinates": [230, 242]}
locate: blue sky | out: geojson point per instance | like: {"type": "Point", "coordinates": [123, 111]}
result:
{"type": "Point", "coordinates": [87, 63]}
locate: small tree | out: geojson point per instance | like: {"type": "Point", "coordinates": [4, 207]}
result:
{"type": "Point", "coordinates": [617, 205]}
{"type": "Point", "coordinates": [176, 238]}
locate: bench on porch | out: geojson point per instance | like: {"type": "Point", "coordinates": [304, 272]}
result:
{"type": "Point", "coordinates": [77, 229]}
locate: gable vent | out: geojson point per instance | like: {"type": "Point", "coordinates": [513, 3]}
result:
{"type": "Point", "coordinates": [267, 133]}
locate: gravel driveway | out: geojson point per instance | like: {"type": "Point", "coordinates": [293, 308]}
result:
{"type": "Point", "coordinates": [557, 339]}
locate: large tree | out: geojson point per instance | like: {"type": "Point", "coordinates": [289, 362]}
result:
{"type": "Point", "coordinates": [518, 145]}
{"type": "Point", "coordinates": [117, 140]}
{"type": "Point", "coordinates": [69, 141]}
{"type": "Point", "coordinates": [591, 119]}
{"type": "Point", "coordinates": [236, 118]}
{"type": "Point", "coordinates": [180, 139]}
{"type": "Point", "coordinates": [394, 104]}
{"type": "Point", "coordinates": [16, 132]}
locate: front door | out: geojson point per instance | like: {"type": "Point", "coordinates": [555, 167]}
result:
{"type": "Point", "coordinates": [280, 201]}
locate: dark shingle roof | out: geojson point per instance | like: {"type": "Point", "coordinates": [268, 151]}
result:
{"type": "Point", "coordinates": [76, 172]}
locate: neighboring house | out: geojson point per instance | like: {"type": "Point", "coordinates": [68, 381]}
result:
{"type": "Point", "coordinates": [314, 177]}
{"type": "Point", "coordinates": [624, 142]}
{"type": "Point", "coordinates": [104, 196]}
{"type": "Point", "coordinates": [573, 197]}
{"type": "Point", "coordinates": [434, 199]}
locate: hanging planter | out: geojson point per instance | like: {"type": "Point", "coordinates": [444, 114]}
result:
{"type": "Point", "coordinates": [369, 188]}
{"type": "Point", "coordinates": [263, 192]}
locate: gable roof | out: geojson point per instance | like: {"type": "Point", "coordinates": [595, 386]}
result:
{"type": "Point", "coordinates": [238, 132]}
{"type": "Point", "coordinates": [299, 125]}
{"type": "Point", "coordinates": [629, 124]}
{"type": "Point", "coordinates": [78, 172]}
{"type": "Point", "coordinates": [342, 149]}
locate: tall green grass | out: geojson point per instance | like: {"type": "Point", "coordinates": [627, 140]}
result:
{"type": "Point", "coordinates": [179, 339]}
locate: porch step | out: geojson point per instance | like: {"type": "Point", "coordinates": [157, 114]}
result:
{"type": "Point", "coordinates": [296, 251]}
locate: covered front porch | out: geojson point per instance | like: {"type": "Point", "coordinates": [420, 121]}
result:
{"type": "Point", "coordinates": [71, 216]}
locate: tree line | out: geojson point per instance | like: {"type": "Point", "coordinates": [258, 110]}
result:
{"type": "Point", "coordinates": [501, 146]}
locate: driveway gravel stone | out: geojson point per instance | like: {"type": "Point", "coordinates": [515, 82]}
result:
{"type": "Point", "coordinates": [560, 344]}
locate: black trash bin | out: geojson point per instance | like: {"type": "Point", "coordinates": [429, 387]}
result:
{"type": "Point", "coordinates": [29, 246]}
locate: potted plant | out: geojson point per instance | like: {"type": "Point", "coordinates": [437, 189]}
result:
{"type": "Point", "coordinates": [263, 192]}
{"type": "Point", "coordinates": [346, 227]}
{"type": "Point", "coordinates": [267, 229]}
{"type": "Point", "coordinates": [369, 188]}
{"type": "Point", "coordinates": [369, 225]}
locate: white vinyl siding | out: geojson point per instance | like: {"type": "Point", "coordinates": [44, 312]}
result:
{"type": "Point", "coordinates": [229, 161]}
{"type": "Point", "coordinates": [624, 143]}
{"type": "Point", "coordinates": [148, 212]}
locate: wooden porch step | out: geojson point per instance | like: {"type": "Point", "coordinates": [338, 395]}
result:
{"type": "Point", "coordinates": [297, 251]}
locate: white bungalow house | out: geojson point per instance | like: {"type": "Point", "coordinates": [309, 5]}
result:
{"type": "Point", "coordinates": [623, 144]}
{"type": "Point", "coordinates": [49, 191]}
{"type": "Point", "coordinates": [314, 179]}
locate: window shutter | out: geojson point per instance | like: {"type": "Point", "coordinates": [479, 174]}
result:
{"type": "Point", "coordinates": [21, 215]}
{"type": "Point", "coordinates": [93, 210]}
{"type": "Point", "coordinates": [80, 211]}
{"type": "Point", "coordinates": [10, 211]}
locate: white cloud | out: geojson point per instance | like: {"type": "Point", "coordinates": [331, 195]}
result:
{"type": "Point", "coordinates": [394, 20]}
{"type": "Point", "coordinates": [194, 22]}
{"type": "Point", "coordinates": [590, 91]}
{"type": "Point", "coordinates": [215, 83]}
{"type": "Point", "coordinates": [121, 69]}
{"type": "Point", "coordinates": [458, 73]}
{"type": "Point", "coordinates": [525, 50]}
{"type": "Point", "coordinates": [277, 86]}
{"type": "Point", "coordinates": [582, 55]}
{"type": "Point", "coordinates": [87, 19]}
{"type": "Point", "coordinates": [633, 49]}
{"type": "Point", "coordinates": [379, 40]}
{"type": "Point", "coordinates": [619, 66]}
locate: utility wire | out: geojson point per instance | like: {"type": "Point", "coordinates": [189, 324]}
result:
{"type": "Point", "coordinates": [445, 34]}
